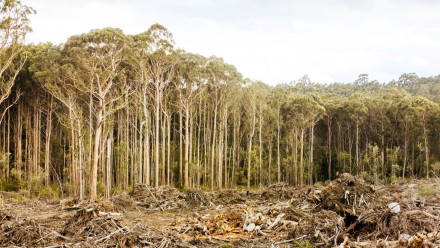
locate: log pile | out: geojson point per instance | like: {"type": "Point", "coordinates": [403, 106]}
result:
{"type": "Point", "coordinates": [348, 212]}
{"type": "Point", "coordinates": [89, 227]}
{"type": "Point", "coordinates": [230, 196]}
{"type": "Point", "coordinates": [198, 198]}
{"type": "Point", "coordinates": [158, 198]}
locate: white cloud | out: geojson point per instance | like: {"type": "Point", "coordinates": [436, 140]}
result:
{"type": "Point", "coordinates": [274, 41]}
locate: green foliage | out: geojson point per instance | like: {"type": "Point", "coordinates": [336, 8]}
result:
{"type": "Point", "coordinates": [304, 244]}
{"type": "Point", "coordinates": [367, 177]}
{"type": "Point", "coordinates": [241, 178]}
{"type": "Point", "coordinates": [100, 188]}
{"type": "Point", "coordinates": [226, 246]}
{"type": "Point", "coordinates": [119, 190]}
{"type": "Point", "coordinates": [427, 190]}
{"type": "Point", "coordinates": [371, 161]}
{"type": "Point", "coordinates": [23, 195]}
{"type": "Point", "coordinates": [10, 185]}
{"type": "Point", "coordinates": [68, 188]}
{"type": "Point", "coordinates": [49, 192]}
{"type": "Point", "coordinates": [436, 168]}
{"type": "Point", "coordinates": [37, 189]}
{"type": "Point", "coordinates": [34, 186]}
{"type": "Point", "coordinates": [344, 160]}
{"type": "Point", "coordinates": [319, 185]}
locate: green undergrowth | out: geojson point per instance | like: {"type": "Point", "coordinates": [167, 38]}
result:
{"type": "Point", "coordinates": [426, 190]}
{"type": "Point", "coordinates": [304, 244]}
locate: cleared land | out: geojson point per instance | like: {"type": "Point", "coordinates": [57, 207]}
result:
{"type": "Point", "coordinates": [348, 212]}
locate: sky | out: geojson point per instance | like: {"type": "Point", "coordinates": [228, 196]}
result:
{"type": "Point", "coordinates": [275, 41]}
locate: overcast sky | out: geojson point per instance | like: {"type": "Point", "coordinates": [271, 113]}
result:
{"type": "Point", "coordinates": [275, 41]}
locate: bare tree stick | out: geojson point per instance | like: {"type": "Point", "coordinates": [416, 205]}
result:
{"type": "Point", "coordinates": [155, 199]}
{"type": "Point", "coordinates": [276, 221]}
{"type": "Point", "coordinates": [414, 212]}
{"type": "Point", "coordinates": [8, 107]}
{"type": "Point", "coordinates": [289, 240]}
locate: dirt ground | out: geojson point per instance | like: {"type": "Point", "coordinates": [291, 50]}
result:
{"type": "Point", "coordinates": [348, 212]}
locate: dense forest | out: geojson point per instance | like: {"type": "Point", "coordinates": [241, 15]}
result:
{"type": "Point", "coordinates": [106, 110]}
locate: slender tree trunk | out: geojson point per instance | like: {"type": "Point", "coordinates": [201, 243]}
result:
{"type": "Point", "coordinates": [169, 150]}
{"type": "Point", "coordinates": [295, 158]}
{"type": "Point", "coordinates": [157, 137]}
{"type": "Point", "coordinates": [91, 123]}
{"type": "Point", "coordinates": [199, 132]}
{"type": "Point", "coordinates": [357, 147]}
{"type": "Point", "coordinates": [301, 159]}
{"type": "Point", "coordinates": [108, 170]}
{"type": "Point", "coordinates": [226, 153]}
{"type": "Point", "coordinates": [73, 151]}
{"type": "Point", "coordinates": [47, 144]}
{"type": "Point", "coordinates": [412, 159]}
{"type": "Point", "coordinates": [206, 144]}
{"type": "Point", "coordinates": [27, 149]}
{"type": "Point", "coordinates": [80, 158]}
{"type": "Point", "coordinates": [8, 146]}
{"type": "Point", "coordinates": [382, 152]}
{"type": "Point", "coordinates": [405, 151]}
{"type": "Point", "coordinates": [234, 149]}
{"type": "Point", "coordinates": [164, 127]}
{"type": "Point", "coordinates": [19, 146]}
{"type": "Point", "coordinates": [312, 136]}
{"type": "Point", "coordinates": [96, 149]}
{"type": "Point", "coordinates": [186, 180]}
{"type": "Point", "coordinates": [260, 160]}
{"type": "Point", "coordinates": [191, 145]}
{"type": "Point", "coordinates": [214, 138]}
{"type": "Point", "coordinates": [329, 148]}
{"type": "Point", "coordinates": [127, 146]}
{"type": "Point", "coordinates": [220, 151]}
{"type": "Point", "coordinates": [251, 135]}
{"type": "Point", "coordinates": [269, 172]}
{"type": "Point", "coordinates": [147, 151]}
{"type": "Point", "coordinates": [181, 148]}
{"type": "Point", "coordinates": [36, 145]}
{"type": "Point", "coordinates": [141, 153]}
{"type": "Point", "coordinates": [278, 145]}
{"type": "Point", "coordinates": [425, 137]}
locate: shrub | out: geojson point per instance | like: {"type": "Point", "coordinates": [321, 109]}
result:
{"type": "Point", "coordinates": [49, 192]}
{"type": "Point", "coordinates": [427, 190]}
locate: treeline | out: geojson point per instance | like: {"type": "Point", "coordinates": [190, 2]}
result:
{"type": "Point", "coordinates": [106, 110]}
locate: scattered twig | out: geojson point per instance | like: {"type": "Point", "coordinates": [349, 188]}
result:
{"type": "Point", "coordinates": [415, 212]}
{"type": "Point", "coordinates": [289, 240]}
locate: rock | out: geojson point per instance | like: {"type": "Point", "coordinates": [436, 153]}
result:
{"type": "Point", "coordinates": [394, 207]}
{"type": "Point", "coordinates": [250, 227]}
{"type": "Point", "coordinates": [405, 236]}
